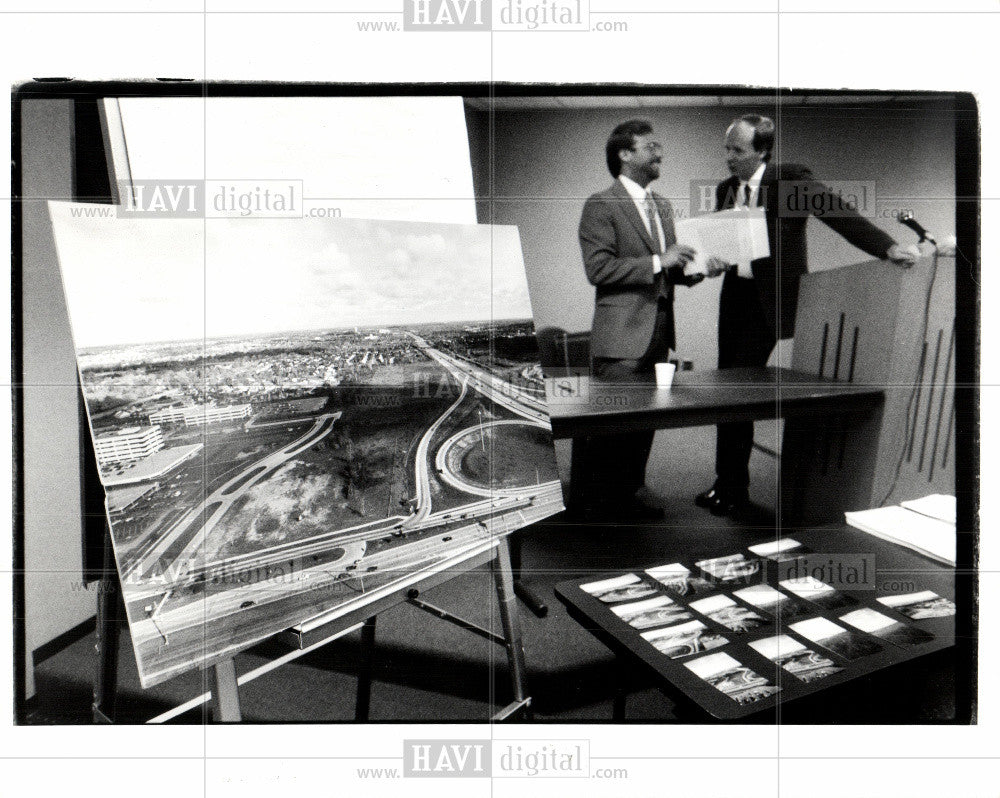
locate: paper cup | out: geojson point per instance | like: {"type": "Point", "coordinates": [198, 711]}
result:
{"type": "Point", "coordinates": [665, 374]}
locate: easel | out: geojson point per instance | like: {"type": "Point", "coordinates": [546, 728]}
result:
{"type": "Point", "coordinates": [323, 629]}
{"type": "Point", "coordinates": [107, 636]}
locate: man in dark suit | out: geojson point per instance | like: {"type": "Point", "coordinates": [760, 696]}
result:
{"type": "Point", "coordinates": [632, 258]}
{"type": "Point", "coordinates": [759, 299]}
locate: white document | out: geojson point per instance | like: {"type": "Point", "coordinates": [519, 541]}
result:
{"type": "Point", "coordinates": [737, 235]}
{"type": "Point", "coordinates": [925, 535]}
{"type": "Point", "coordinates": [937, 505]}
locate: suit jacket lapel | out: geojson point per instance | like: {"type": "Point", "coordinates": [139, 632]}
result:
{"type": "Point", "coordinates": [767, 192]}
{"type": "Point", "coordinates": [627, 206]}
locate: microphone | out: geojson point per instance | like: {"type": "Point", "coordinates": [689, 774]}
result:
{"type": "Point", "coordinates": [907, 219]}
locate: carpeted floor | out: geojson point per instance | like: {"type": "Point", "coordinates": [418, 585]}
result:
{"type": "Point", "coordinates": [426, 670]}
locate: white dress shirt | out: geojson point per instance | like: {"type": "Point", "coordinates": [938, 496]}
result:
{"type": "Point", "coordinates": [743, 269]}
{"type": "Point", "coordinates": [639, 196]}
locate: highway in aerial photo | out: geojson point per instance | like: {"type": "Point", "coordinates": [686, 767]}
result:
{"type": "Point", "coordinates": [481, 467]}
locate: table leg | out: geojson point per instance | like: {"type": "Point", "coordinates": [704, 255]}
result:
{"type": "Point", "coordinates": [622, 675]}
{"type": "Point", "coordinates": [523, 591]}
{"type": "Point", "coordinates": [576, 495]}
{"type": "Point", "coordinates": [363, 702]}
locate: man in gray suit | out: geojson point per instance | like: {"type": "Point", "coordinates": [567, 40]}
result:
{"type": "Point", "coordinates": [632, 258]}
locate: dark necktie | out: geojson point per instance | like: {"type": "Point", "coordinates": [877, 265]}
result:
{"type": "Point", "coordinates": [746, 195]}
{"type": "Point", "coordinates": [651, 215]}
{"type": "Point", "coordinates": [654, 233]}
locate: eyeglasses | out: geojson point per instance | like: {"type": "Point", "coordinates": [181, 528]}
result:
{"type": "Point", "coordinates": [653, 147]}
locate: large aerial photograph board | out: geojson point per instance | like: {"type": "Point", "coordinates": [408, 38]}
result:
{"type": "Point", "coordinates": [292, 416]}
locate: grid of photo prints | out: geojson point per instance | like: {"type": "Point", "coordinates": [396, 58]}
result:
{"type": "Point", "coordinates": [798, 632]}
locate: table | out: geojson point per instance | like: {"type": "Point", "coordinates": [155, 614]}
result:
{"type": "Point", "coordinates": [580, 406]}
{"type": "Point", "coordinates": [893, 565]}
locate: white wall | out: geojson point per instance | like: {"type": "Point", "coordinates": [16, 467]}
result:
{"type": "Point", "coordinates": [53, 548]}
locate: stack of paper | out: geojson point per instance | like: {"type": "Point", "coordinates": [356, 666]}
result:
{"type": "Point", "coordinates": [937, 505]}
{"type": "Point", "coordinates": [737, 235]}
{"type": "Point", "coordinates": [926, 532]}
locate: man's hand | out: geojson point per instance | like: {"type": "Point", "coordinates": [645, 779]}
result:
{"type": "Point", "coordinates": [676, 255]}
{"type": "Point", "coordinates": [675, 274]}
{"type": "Point", "coordinates": [903, 256]}
{"type": "Point", "coordinates": [715, 266]}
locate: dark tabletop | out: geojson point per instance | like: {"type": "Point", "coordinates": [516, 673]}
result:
{"type": "Point", "coordinates": [581, 405]}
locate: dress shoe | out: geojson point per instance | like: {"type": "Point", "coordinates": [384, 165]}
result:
{"type": "Point", "coordinates": [708, 498]}
{"type": "Point", "coordinates": [733, 503]}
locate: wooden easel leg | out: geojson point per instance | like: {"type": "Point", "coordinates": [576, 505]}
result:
{"type": "Point", "coordinates": [363, 702]}
{"type": "Point", "coordinates": [507, 601]}
{"type": "Point", "coordinates": [225, 693]}
{"type": "Point", "coordinates": [107, 637]}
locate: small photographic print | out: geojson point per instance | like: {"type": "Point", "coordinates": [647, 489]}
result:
{"type": "Point", "coordinates": [658, 611]}
{"type": "Point", "coordinates": [920, 606]}
{"type": "Point", "coordinates": [780, 550]}
{"type": "Point", "coordinates": [622, 588]}
{"type": "Point", "coordinates": [732, 568]}
{"type": "Point", "coordinates": [733, 678]}
{"type": "Point", "coordinates": [819, 593]}
{"type": "Point", "coordinates": [835, 638]}
{"type": "Point", "coordinates": [778, 604]}
{"type": "Point", "coordinates": [733, 616]}
{"type": "Point", "coordinates": [685, 639]}
{"type": "Point", "coordinates": [678, 580]}
{"type": "Point", "coordinates": [885, 628]}
{"type": "Point", "coordinates": [803, 663]}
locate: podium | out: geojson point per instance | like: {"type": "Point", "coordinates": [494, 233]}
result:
{"type": "Point", "coordinates": [874, 324]}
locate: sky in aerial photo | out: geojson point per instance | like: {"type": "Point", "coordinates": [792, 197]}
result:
{"type": "Point", "coordinates": [141, 280]}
